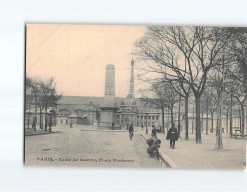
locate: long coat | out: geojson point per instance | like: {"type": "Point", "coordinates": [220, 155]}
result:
{"type": "Point", "coordinates": [172, 134]}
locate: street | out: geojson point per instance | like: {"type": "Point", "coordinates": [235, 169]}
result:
{"type": "Point", "coordinates": [79, 147]}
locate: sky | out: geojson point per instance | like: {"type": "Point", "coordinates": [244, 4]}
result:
{"type": "Point", "coordinates": [76, 56]}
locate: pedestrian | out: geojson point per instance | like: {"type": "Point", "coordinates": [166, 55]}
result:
{"type": "Point", "coordinates": [71, 124]}
{"type": "Point", "coordinates": [172, 135]}
{"type": "Point", "coordinates": [131, 131]}
{"type": "Point", "coordinates": [142, 127]}
{"type": "Point", "coordinates": [154, 132]}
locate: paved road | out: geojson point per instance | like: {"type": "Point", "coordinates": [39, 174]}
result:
{"type": "Point", "coordinates": [75, 147]}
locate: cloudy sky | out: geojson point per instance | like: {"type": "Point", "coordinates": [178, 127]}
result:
{"type": "Point", "coordinates": [76, 56]}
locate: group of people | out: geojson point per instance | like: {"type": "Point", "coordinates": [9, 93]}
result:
{"type": "Point", "coordinates": [154, 142]}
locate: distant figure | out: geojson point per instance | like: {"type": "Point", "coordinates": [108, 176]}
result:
{"type": "Point", "coordinates": [71, 124]}
{"type": "Point", "coordinates": [172, 135]}
{"type": "Point", "coordinates": [112, 126]}
{"type": "Point", "coordinates": [131, 131]}
{"type": "Point", "coordinates": [154, 132]}
{"type": "Point", "coordinates": [142, 127]}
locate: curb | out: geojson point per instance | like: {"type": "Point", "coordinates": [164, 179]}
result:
{"type": "Point", "coordinates": [164, 158]}
{"type": "Point", "coordinates": [32, 134]}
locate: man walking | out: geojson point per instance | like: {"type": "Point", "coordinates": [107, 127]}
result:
{"type": "Point", "coordinates": [172, 135]}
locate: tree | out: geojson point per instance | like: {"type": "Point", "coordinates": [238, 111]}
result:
{"type": "Point", "coordinates": [239, 92]}
{"type": "Point", "coordinates": [31, 96]}
{"type": "Point", "coordinates": [49, 97]}
{"type": "Point", "coordinates": [162, 96]}
{"type": "Point", "coordinates": [166, 46]}
{"type": "Point", "coordinates": [237, 38]}
{"type": "Point", "coordinates": [41, 94]}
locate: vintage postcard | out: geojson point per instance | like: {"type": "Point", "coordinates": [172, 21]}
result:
{"type": "Point", "coordinates": [135, 96]}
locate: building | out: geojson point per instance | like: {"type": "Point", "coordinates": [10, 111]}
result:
{"type": "Point", "coordinates": [131, 109]}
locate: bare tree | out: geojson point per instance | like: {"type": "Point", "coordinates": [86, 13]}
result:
{"type": "Point", "coordinates": [49, 97]}
{"type": "Point", "coordinates": [239, 92]}
{"type": "Point", "coordinates": [162, 96]}
{"type": "Point", "coordinates": [199, 46]}
{"type": "Point", "coordinates": [31, 96]}
{"type": "Point", "coordinates": [237, 38]}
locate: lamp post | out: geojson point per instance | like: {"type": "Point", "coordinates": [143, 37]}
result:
{"type": "Point", "coordinates": [146, 123]}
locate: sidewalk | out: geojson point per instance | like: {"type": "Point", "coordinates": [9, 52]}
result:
{"type": "Point", "coordinates": [189, 155]}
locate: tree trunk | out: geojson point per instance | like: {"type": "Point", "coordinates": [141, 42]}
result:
{"type": "Point", "coordinates": [40, 119]}
{"type": "Point", "coordinates": [198, 122]}
{"type": "Point", "coordinates": [231, 117]}
{"type": "Point", "coordinates": [243, 122]}
{"type": "Point", "coordinates": [45, 119]}
{"type": "Point", "coordinates": [50, 123]}
{"type": "Point", "coordinates": [240, 119]}
{"type": "Point", "coordinates": [186, 118]}
{"type": "Point", "coordinates": [172, 119]}
{"type": "Point", "coordinates": [207, 120]}
{"type": "Point", "coordinates": [227, 117]}
{"type": "Point", "coordinates": [163, 119]}
{"type": "Point", "coordinates": [167, 119]}
{"type": "Point", "coordinates": [35, 115]}
{"type": "Point", "coordinates": [201, 121]}
{"type": "Point", "coordinates": [219, 144]}
{"type": "Point", "coordinates": [212, 122]}
{"type": "Point", "coordinates": [179, 127]}
{"type": "Point", "coordinates": [193, 121]}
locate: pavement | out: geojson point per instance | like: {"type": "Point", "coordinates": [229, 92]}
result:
{"type": "Point", "coordinates": [189, 155]}
{"type": "Point", "coordinates": [85, 146]}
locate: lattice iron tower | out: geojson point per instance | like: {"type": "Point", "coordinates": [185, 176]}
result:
{"type": "Point", "coordinates": [131, 86]}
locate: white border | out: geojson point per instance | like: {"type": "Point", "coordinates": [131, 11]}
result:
{"type": "Point", "coordinates": [13, 16]}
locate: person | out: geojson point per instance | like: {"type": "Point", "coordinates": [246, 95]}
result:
{"type": "Point", "coordinates": [152, 150]}
{"type": "Point", "coordinates": [131, 130]}
{"type": "Point", "coordinates": [154, 132]}
{"type": "Point", "coordinates": [172, 135]}
{"type": "Point", "coordinates": [142, 127]}
{"type": "Point", "coordinates": [151, 141]}
{"type": "Point", "coordinates": [71, 124]}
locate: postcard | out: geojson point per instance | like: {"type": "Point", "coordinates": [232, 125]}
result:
{"type": "Point", "coordinates": [133, 96]}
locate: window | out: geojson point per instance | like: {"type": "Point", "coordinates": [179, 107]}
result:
{"type": "Point", "coordinates": [149, 117]}
{"type": "Point", "coordinates": [137, 117]}
{"type": "Point", "coordinates": [157, 117]}
{"type": "Point", "coordinates": [141, 117]}
{"type": "Point", "coordinates": [152, 117]}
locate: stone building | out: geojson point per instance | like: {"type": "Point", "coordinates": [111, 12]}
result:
{"type": "Point", "coordinates": [130, 109]}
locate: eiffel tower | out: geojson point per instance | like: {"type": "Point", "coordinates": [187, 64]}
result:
{"type": "Point", "coordinates": [131, 86]}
